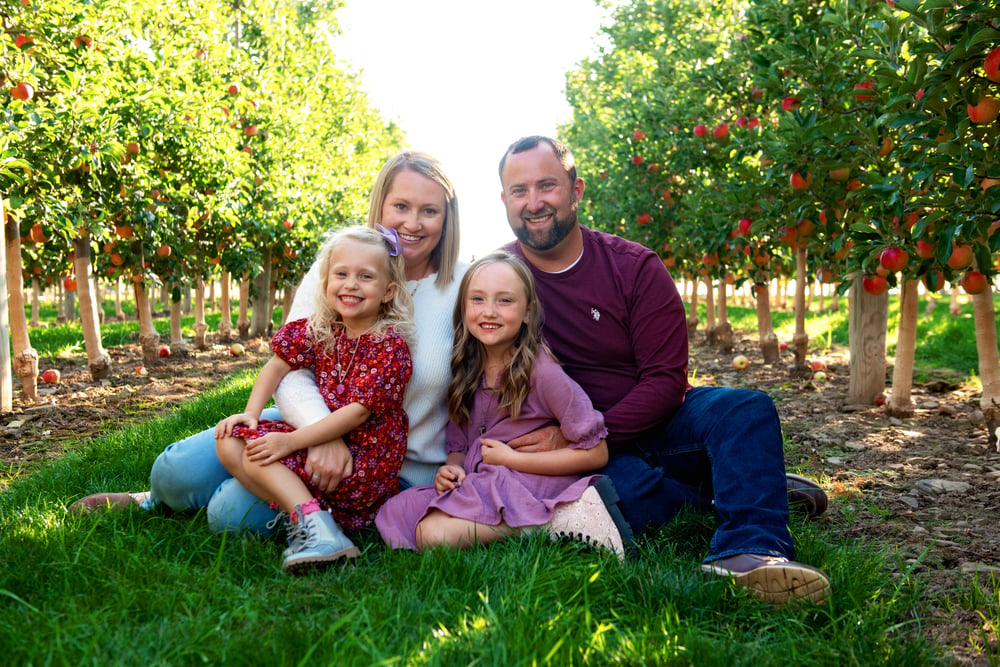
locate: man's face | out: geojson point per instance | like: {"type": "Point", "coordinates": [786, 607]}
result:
{"type": "Point", "coordinates": [541, 201]}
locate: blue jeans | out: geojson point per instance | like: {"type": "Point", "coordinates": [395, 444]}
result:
{"type": "Point", "coordinates": [722, 450]}
{"type": "Point", "coordinates": [187, 475]}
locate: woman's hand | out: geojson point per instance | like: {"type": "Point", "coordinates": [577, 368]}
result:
{"type": "Point", "coordinates": [224, 428]}
{"type": "Point", "coordinates": [329, 464]}
{"type": "Point", "coordinates": [496, 453]}
{"type": "Point", "coordinates": [448, 477]}
{"type": "Point", "coordinates": [545, 439]}
{"type": "Point", "coordinates": [271, 447]}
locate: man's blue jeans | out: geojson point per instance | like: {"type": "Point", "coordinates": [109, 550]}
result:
{"type": "Point", "coordinates": [187, 475]}
{"type": "Point", "coordinates": [722, 450]}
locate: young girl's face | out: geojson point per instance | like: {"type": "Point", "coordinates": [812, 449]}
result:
{"type": "Point", "coordinates": [496, 305]}
{"type": "Point", "coordinates": [358, 284]}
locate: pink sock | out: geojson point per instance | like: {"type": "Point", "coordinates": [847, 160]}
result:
{"type": "Point", "coordinates": [310, 507]}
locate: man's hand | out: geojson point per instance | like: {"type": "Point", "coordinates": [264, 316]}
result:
{"type": "Point", "coordinates": [448, 477]}
{"type": "Point", "coordinates": [545, 439]}
{"type": "Point", "coordinates": [329, 464]}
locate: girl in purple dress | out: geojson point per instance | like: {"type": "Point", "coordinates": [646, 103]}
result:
{"type": "Point", "coordinates": [506, 383]}
{"type": "Point", "coordinates": [356, 345]}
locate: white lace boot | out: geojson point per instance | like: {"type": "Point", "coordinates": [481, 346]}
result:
{"type": "Point", "coordinates": [595, 519]}
{"type": "Point", "coordinates": [316, 543]}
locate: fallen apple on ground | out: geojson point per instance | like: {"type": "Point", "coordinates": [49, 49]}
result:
{"type": "Point", "coordinates": [164, 351]}
{"type": "Point", "coordinates": [51, 376]}
{"type": "Point", "coordinates": [236, 350]}
{"type": "Point", "coordinates": [740, 362]}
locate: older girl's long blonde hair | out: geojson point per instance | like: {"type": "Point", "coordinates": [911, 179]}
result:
{"type": "Point", "coordinates": [468, 357]}
{"type": "Point", "coordinates": [325, 323]}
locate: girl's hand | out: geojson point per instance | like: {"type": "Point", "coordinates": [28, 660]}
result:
{"type": "Point", "coordinates": [224, 428]}
{"type": "Point", "coordinates": [496, 453]}
{"type": "Point", "coordinates": [448, 477]}
{"type": "Point", "coordinates": [270, 447]}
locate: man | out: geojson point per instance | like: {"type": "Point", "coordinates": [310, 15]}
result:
{"type": "Point", "coordinates": [616, 321]}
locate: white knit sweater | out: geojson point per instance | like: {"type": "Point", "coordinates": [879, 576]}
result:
{"type": "Point", "coordinates": [301, 404]}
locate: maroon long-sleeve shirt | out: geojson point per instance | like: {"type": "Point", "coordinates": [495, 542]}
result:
{"type": "Point", "coordinates": [617, 323]}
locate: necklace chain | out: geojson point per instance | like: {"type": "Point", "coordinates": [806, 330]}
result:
{"type": "Point", "coordinates": [342, 373]}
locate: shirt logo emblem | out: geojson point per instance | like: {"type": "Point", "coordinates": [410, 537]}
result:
{"type": "Point", "coordinates": [596, 314]}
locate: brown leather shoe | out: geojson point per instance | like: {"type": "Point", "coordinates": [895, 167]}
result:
{"type": "Point", "coordinates": [772, 579]}
{"type": "Point", "coordinates": [805, 495]}
{"type": "Point", "coordinates": [100, 502]}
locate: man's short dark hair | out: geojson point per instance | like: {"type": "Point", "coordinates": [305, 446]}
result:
{"type": "Point", "coordinates": [561, 150]}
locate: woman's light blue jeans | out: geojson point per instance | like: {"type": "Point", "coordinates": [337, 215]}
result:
{"type": "Point", "coordinates": [187, 475]}
{"type": "Point", "coordinates": [721, 451]}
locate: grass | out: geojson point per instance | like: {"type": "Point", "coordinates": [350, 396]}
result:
{"type": "Point", "coordinates": [156, 589]}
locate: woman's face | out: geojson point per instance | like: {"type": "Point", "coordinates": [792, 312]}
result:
{"type": "Point", "coordinates": [415, 207]}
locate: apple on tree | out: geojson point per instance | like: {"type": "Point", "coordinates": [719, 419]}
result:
{"type": "Point", "coordinates": [874, 285]}
{"type": "Point", "coordinates": [984, 111]}
{"type": "Point", "coordinates": [721, 131]}
{"type": "Point", "coordinates": [894, 259]}
{"type": "Point", "coordinates": [700, 131]}
{"type": "Point", "coordinates": [22, 91]}
{"type": "Point", "coordinates": [974, 282]}
{"type": "Point", "coordinates": [799, 181]}
{"type": "Point", "coordinates": [991, 66]}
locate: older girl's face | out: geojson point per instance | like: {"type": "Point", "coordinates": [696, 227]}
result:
{"type": "Point", "coordinates": [415, 207]}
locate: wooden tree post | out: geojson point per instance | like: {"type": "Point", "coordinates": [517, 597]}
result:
{"type": "Point", "coordinates": [709, 310]}
{"type": "Point", "coordinates": [900, 403]}
{"type": "Point", "coordinates": [989, 362]}
{"type": "Point", "coordinates": [769, 347]}
{"type": "Point", "coordinates": [286, 303]}
{"type": "Point", "coordinates": [243, 319]}
{"type": "Point", "coordinates": [800, 341]}
{"type": "Point", "coordinates": [867, 320]}
{"type": "Point", "coordinates": [200, 327]}
{"type": "Point", "coordinates": [25, 359]}
{"type": "Point", "coordinates": [724, 330]}
{"type": "Point", "coordinates": [226, 307]}
{"type": "Point", "coordinates": [260, 315]}
{"type": "Point", "coordinates": [692, 318]}
{"type": "Point", "coordinates": [178, 346]}
{"type": "Point", "coordinates": [149, 340]}
{"type": "Point", "coordinates": [98, 360]}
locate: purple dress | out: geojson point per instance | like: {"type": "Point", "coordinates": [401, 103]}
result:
{"type": "Point", "coordinates": [496, 494]}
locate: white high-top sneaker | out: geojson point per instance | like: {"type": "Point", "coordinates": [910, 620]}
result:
{"type": "Point", "coordinates": [316, 543]}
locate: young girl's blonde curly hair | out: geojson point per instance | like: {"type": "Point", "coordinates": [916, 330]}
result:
{"type": "Point", "coordinates": [325, 323]}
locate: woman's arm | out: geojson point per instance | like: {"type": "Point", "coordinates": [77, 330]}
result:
{"type": "Point", "coordinates": [565, 461]}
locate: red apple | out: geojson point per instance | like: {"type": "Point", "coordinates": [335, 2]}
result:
{"type": "Point", "coordinates": [790, 103]}
{"type": "Point", "coordinates": [69, 284]}
{"type": "Point", "coordinates": [132, 148]}
{"type": "Point", "coordinates": [236, 350]}
{"type": "Point", "coordinates": [637, 159]}
{"type": "Point", "coordinates": [250, 130]}
{"type": "Point", "coordinates": [23, 42]}
{"type": "Point", "coordinates": [800, 181]}
{"type": "Point", "coordinates": [234, 89]}
{"type": "Point", "coordinates": [744, 226]}
{"type": "Point", "coordinates": [874, 285]}
{"type": "Point", "coordinates": [991, 66]}
{"type": "Point", "coordinates": [22, 91]}
{"type": "Point", "coordinates": [163, 250]}
{"type": "Point", "coordinates": [782, 346]}
{"type": "Point", "coordinates": [817, 365]}
{"type": "Point", "coordinates": [638, 135]}
{"type": "Point", "coordinates": [866, 88]}
{"type": "Point", "coordinates": [894, 259]}
{"type": "Point", "coordinates": [721, 131]}
{"type": "Point", "coordinates": [974, 282]}
{"type": "Point", "coordinates": [742, 121]}
{"type": "Point", "coordinates": [925, 250]}
{"type": "Point", "coordinates": [82, 41]}
{"type": "Point", "coordinates": [141, 371]}
{"type": "Point", "coordinates": [287, 223]}
{"type": "Point", "coordinates": [961, 257]}
{"type": "Point", "coordinates": [37, 234]}
{"type": "Point", "coordinates": [643, 218]}
{"type": "Point", "coordinates": [839, 174]}
{"type": "Point", "coordinates": [984, 111]}
{"type": "Point", "coordinates": [51, 376]}
{"type": "Point", "coordinates": [879, 398]}
{"type": "Point", "coordinates": [700, 131]}
{"type": "Point", "coordinates": [164, 351]}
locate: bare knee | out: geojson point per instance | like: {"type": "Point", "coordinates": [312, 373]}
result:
{"type": "Point", "coordinates": [230, 452]}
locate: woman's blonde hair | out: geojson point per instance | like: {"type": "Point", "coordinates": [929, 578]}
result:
{"type": "Point", "coordinates": [468, 356]}
{"type": "Point", "coordinates": [397, 312]}
{"type": "Point", "coordinates": [445, 255]}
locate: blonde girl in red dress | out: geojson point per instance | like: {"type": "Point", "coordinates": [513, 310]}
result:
{"type": "Point", "coordinates": [356, 343]}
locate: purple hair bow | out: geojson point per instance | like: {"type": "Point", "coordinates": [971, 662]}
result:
{"type": "Point", "coordinates": [391, 239]}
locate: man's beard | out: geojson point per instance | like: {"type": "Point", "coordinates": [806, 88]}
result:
{"type": "Point", "coordinates": [543, 240]}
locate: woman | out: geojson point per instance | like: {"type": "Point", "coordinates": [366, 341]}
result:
{"type": "Point", "coordinates": [412, 195]}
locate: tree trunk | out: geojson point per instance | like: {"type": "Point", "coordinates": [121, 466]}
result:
{"type": "Point", "coordinates": [212, 304]}
{"type": "Point", "coordinates": [12, 322]}
{"type": "Point", "coordinates": [68, 306]}
{"type": "Point", "coordinates": [769, 347]}
{"type": "Point", "coordinates": [200, 327]}
{"type": "Point", "coordinates": [98, 360]}
{"type": "Point", "coordinates": [692, 319]}
{"type": "Point", "coordinates": [800, 341]}
{"type": "Point", "coordinates": [724, 330]}
{"type": "Point", "coordinates": [900, 404]}
{"type": "Point", "coordinates": [867, 318]}
{"type": "Point", "coordinates": [954, 307]}
{"type": "Point", "coordinates": [149, 340]}
{"type": "Point", "coordinates": [186, 305]}
{"type": "Point", "coordinates": [260, 313]}
{"type": "Point", "coordinates": [98, 297]}
{"type": "Point", "coordinates": [226, 321]}
{"type": "Point", "coordinates": [119, 313]}
{"type": "Point", "coordinates": [709, 311]}
{"type": "Point", "coordinates": [178, 346]}
{"type": "Point", "coordinates": [243, 321]}
{"type": "Point", "coordinates": [989, 362]}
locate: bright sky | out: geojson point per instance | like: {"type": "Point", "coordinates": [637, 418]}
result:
{"type": "Point", "coordinates": [466, 78]}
